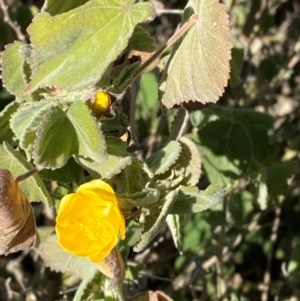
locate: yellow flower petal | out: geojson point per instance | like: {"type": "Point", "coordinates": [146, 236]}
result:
{"type": "Point", "coordinates": [89, 221]}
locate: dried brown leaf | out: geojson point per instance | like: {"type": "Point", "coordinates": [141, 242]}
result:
{"type": "Point", "coordinates": [17, 223]}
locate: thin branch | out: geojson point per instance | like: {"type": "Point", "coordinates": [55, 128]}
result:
{"type": "Point", "coordinates": [273, 238]}
{"type": "Point", "coordinates": [16, 28]}
{"type": "Point", "coordinates": [177, 35]}
{"type": "Point", "coordinates": [27, 174]}
{"type": "Point", "coordinates": [170, 11]}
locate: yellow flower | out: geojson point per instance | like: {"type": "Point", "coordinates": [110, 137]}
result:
{"type": "Point", "coordinates": [89, 221]}
{"type": "Point", "coordinates": [101, 102]}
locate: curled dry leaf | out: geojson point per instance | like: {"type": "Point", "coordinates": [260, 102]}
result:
{"type": "Point", "coordinates": [17, 223]}
{"type": "Point", "coordinates": [113, 267]}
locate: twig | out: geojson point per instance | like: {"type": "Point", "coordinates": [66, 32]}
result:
{"type": "Point", "coordinates": [273, 238]}
{"type": "Point", "coordinates": [182, 30]}
{"type": "Point", "coordinates": [221, 283]}
{"type": "Point", "coordinates": [27, 174]}
{"type": "Point", "coordinates": [9, 21]}
{"type": "Point", "coordinates": [170, 11]}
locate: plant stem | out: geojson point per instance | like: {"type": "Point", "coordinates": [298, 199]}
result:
{"type": "Point", "coordinates": [273, 238]}
{"type": "Point", "coordinates": [27, 174]}
{"type": "Point", "coordinates": [177, 35]}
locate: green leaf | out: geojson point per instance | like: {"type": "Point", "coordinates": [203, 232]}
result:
{"type": "Point", "coordinates": [117, 126]}
{"type": "Point", "coordinates": [247, 117]}
{"type": "Point", "coordinates": [118, 159]}
{"type": "Point", "coordinates": [90, 286]}
{"type": "Point", "coordinates": [56, 140]}
{"type": "Point", "coordinates": [90, 138]}
{"type": "Point", "coordinates": [141, 40]}
{"type": "Point", "coordinates": [133, 233]}
{"type": "Point", "coordinates": [33, 187]}
{"type": "Point", "coordinates": [175, 224]}
{"type": "Point", "coordinates": [73, 50]}
{"type": "Point", "coordinates": [260, 141]}
{"type": "Point", "coordinates": [226, 151]}
{"type": "Point", "coordinates": [71, 172]}
{"type": "Point", "coordinates": [63, 134]}
{"type": "Point", "coordinates": [198, 69]}
{"type": "Point", "coordinates": [148, 196]}
{"type": "Point", "coordinates": [61, 261]}
{"type": "Point", "coordinates": [164, 158]}
{"type": "Point", "coordinates": [12, 70]}
{"type": "Point", "coordinates": [189, 161]}
{"type": "Point", "coordinates": [6, 133]}
{"type": "Point", "coordinates": [148, 236]}
{"type": "Point", "coordinates": [277, 176]}
{"type": "Point", "coordinates": [54, 7]}
{"type": "Point", "coordinates": [125, 77]}
{"type": "Point", "coordinates": [191, 200]}
{"type": "Point", "coordinates": [26, 121]}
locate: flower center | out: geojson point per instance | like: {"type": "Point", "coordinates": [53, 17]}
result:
{"type": "Point", "coordinates": [95, 226]}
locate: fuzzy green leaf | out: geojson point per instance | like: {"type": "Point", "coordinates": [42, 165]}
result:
{"type": "Point", "coordinates": [117, 160]}
{"type": "Point", "coordinates": [54, 7]}
{"type": "Point", "coordinates": [63, 134]}
{"type": "Point", "coordinates": [6, 133]}
{"type": "Point", "coordinates": [71, 172]}
{"type": "Point", "coordinates": [72, 50]}
{"type": "Point", "coordinates": [125, 77]}
{"type": "Point", "coordinates": [33, 187]}
{"type": "Point", "coordinates": [175, 224]}
{"type": "Point", "coordinates": [191, 200]}
{"type": "Point", "coordinates": [190, 161]}
{"type": "Point", "coordinates": [164, 158]}
{"type": "Point", "coordinates": [61, 261]}
{"type": "Point", "coordinates": [12, 70]}
{"type": "Point", "coordinates": [141, 40]}
{"type": "Point", "coordinates": [56, 140]}
{"type": "Point", "coordinates": [148, 236]}
{"type": "Point", "coordinates": [199, 66]}
{"type": "Point", "coordinates": [90, 139]}
{"type": "Point", "coordinates": [148, 196]}
{"type": "Point", "coordinates": [26, 121]}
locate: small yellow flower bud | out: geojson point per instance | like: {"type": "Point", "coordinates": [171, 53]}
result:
{"type": "Point", "coordinates": [101, 102]}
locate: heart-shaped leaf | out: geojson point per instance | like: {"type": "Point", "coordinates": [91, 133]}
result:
{"type": "Point", "coordinates": [199, 66]}
{"type": "Point", "coordinates": [72, 50]}
{"type": "Point", "coordinates": [63, 134]}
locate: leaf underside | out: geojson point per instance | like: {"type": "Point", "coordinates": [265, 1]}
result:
{"type": "Point", "coordinates": [203, 78]}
